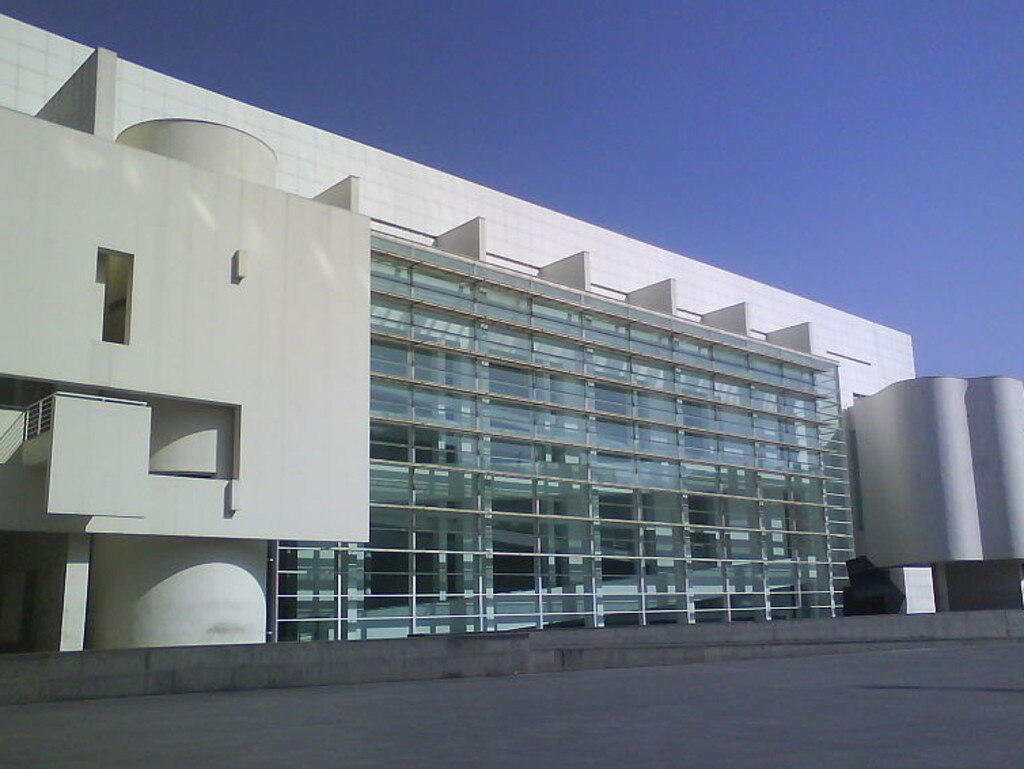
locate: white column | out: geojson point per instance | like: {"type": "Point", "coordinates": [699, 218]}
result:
{"type": "Point", "coordinates": [76, 593]}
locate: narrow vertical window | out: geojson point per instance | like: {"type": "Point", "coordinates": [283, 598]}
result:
{"type": "Point", "coordinates": [114, 272]}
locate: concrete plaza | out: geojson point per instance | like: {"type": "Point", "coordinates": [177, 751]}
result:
{"type": "Point", "coordinates": [955, 706]}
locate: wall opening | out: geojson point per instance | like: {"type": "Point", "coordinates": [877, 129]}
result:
{"type": "Point", "coordinates": [114, 272]}
{"type": "Point", "coordinates": [192, 439]}
{"type": "Point", "coordinates": [17, 601]}
{"type": "Point", "coordinates": [32, 580]}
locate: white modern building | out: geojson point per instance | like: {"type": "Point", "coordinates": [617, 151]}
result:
{"type": "Point", "coordinates": [261, 381]}
{"type": "Point", "coordinates": [940, 486]}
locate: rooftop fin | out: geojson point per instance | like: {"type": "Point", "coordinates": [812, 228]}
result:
{"type": "Point", "coordinates": [732, 318]}
{"type": "Point", "coordinates": [659, 297]}
{"type": "Point", "coordinates": [572, 271]}
{"type": "Point", "coordinates": [800, 337]}
{"type": "Point", "coordinates": [344, 194]}
{"type": "Point", "coordinates": [467, 239]}
{"type": "Point", "coordinates": [86, 100]}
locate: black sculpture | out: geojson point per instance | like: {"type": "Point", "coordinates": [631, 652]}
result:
{"type": "Point", "coordinates": [870, 590]}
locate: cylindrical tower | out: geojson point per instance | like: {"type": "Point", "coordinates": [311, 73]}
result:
{"type": "Point", "coordinates": [916, 480]}
{"type": "Point", "coordinates": [211, 146]}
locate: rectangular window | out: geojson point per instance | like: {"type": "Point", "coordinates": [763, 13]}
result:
{"type": "Point", "coordinates": [389, 399]}
{"type": "Point", "coordinates": [606, 330]}
{"type": "Point", "coordinates": [437, 447]}
{"type": "Point", "coordinates": [656, 407]}
{"type": "Point", "coordinates": [389, 442]}
{"type": "Point", "coordinates": [563, 461]}
{"type": "Point", "coordinates": [555, 318]}
{"type": "Point", "coordinates": [498, 302]}
{"type": "Point", "coordinates": [389, 358]}
{"type": "Point", "coordinates": [650, 340]}
{"type": "Point", "coordinates": [444, 368]}
{"type": "Point", "coordinates": [659, 440]}
{"type": "Point", "coordinates": [612, 399]}
{"type": "Point", "coordinates": [442, 288]}
{"type": "Point", "coordinates": [566, 391]}
{"type": "Point", "coordinates": [511, 456]}
{"type": "Point", "coordinates": [442, 328]}
{"type": "Point", "coordinates": [114, 272]}
{"type": "Point", "coordinates": [505, 343]}
{"type": "Point", "coordinates": [609, 365]}
{"type": "Point", "coordinates": [508, 381]}
{"type": "Point", "coordinates": [614, 503]}
{"type": "Point", "coordinates": [389, 316]}
{"type": "Point", "coordinates": [557, 354]}
{"type": "Point", "coordinates": [561, 498]}
{"type": "Point", "coordinates": [652, 375]}
{"type": "Point", "coordinates": [612, 434]}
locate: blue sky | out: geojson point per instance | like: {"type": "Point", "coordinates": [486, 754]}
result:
{"type": "Point", "coordinates": [868, 155]}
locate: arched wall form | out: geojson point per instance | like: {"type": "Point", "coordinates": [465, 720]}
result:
{"type": "Point", "coordinates": [940, 463]}
{"type": "Point", "coordinates": [209, 146]}
{"type": "Point", "coordinates": [176, 591]}
{"type": "Point", "coordinates": [191, 439]}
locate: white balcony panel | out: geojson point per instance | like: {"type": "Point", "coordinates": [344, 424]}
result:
{"type": "Point", "coordinates": [99, 457]}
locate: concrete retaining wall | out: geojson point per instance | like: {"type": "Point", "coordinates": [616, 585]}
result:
{"type": "Point", "coordinates": [129, 672]}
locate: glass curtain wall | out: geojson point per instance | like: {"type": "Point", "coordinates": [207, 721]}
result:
{"type": "Point", "coordinates": [541, 457]}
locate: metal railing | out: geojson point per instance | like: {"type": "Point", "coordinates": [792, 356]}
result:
{"type": "Point", "coordinates": [39, 418]}
{"type": "Point", "coordinates": [12, 438]}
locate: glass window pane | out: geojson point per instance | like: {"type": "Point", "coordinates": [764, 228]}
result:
{"type": "Point", "coordinates": [616, 400]}
{"type": "Point", "coordinates": [389, 485]}
{"type": "Point", "coordinates": [508, 380]}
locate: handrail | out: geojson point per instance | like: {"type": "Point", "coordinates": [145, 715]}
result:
{"type": "Point", "coordinates": [12, 438]}
{"type": "Point", "coordinates": [99, 398]}
{"type": "Point", "coordinates": [38, 418]}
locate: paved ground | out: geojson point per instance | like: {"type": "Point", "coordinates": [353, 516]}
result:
{"type": "Point", "coordinates": [949, 707]}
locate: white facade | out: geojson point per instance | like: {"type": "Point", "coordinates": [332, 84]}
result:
{"type": "Point", "coordinates": [193, 299]}
{"type": "Point", "coordinates": [416, 197]}
{"type": "Point", "coordinates": [239, 329]}
{"type": "Point", "coordinates": [216, 362]}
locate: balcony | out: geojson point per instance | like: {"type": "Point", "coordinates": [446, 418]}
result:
{"type": "Point", "coordinates": [157, 467]}
{"type": "Point", "coordinates": [95, 450]}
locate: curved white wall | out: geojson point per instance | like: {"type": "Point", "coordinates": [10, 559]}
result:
{"type": "Point", "coordinates": [176, 591]}
{"type": "Point", "coordinates": [940, 465]}
{"type": "Point", "coordinates": [191, 439]}
{"type": "Point", "coordinates": [995, 408]}
{"type": "Point", "coordinates": [210, 146]}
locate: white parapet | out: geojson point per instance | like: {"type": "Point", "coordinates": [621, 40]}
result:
{"type": "Point", "coordinates": [210, 146]}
